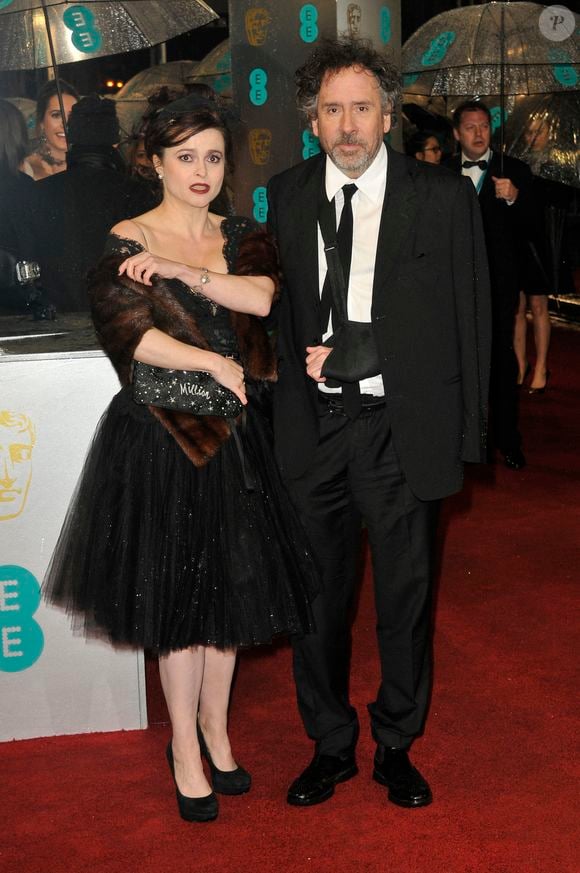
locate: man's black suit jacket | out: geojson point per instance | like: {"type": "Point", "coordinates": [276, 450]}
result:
{"type": "Point", "coordinates": [430, 315]}
{"type": "Point", "coordinates": [507, 228]}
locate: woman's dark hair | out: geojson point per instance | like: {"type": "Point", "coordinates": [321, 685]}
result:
{"type": "Point", "coordinates": [13, 138]}
{"type": "Point", "coordinates": [418, 141]}
{"type": "Point", "coordinates": [47, 92]}
{"type": "Point", "coordinates": [332, 55]}
{"type": "Point", "coordinates": [192, 114]}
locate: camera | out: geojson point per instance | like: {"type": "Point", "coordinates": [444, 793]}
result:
{"type": "Point", "coordinates": [20, 287]}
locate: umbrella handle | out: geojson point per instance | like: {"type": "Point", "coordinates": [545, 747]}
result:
{"type": "Point", "coordinates": [501, 86]}
{"type": "Point", "coordinates": [55, 68]}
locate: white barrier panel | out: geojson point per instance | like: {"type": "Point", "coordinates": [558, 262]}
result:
{"type": "Point", "coordinates": [51, 681]}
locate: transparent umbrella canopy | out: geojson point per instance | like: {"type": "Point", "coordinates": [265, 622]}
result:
{"type": "Point", "coordinates": [494, 48]}
{"type": "Point", "coordinates": [46, 33]}
{"type": "Point", "coordinates": [132, 99]}
{"type": "Point", "coordinates": [215, 69]}
{"type": "Point", "coordinates": [544, 131]}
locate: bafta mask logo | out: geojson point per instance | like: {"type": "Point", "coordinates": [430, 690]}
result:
{"type": "Point", "coordinates": [353, 19]}
{"type": "Point", "coordinates": [260, 142]}
{"type": "Point", "coordinates": [17, 439]}
{"type": "Point", "coordinates": [258, 21]}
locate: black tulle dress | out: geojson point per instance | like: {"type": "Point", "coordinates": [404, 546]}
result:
{"type": "Point", "coordinates": [158, 553]}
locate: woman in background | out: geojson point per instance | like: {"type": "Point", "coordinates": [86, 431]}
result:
{"type": "Point", "coordinates": [50, 154]}
{"type": "Point", "coordinates": [424, 146]}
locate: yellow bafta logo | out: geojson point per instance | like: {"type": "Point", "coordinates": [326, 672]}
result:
{"type": "Point", "coordinates": [258, 21]}
{"type": "Point", "coordinates": [17, 439]}
{"type": "Point", "coordinates": [260, 142]}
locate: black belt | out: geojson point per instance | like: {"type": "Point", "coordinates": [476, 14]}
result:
{"type": "Point", "coordinates": [334, 401]}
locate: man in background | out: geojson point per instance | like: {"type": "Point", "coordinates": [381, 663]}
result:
{"type": "Point", "coordinates": [507, 210]}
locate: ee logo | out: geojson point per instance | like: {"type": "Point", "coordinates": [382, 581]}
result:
{"type": "Point", "coordinates": [309, 23]}
{"type": "Point", "coordinates": [438, 48]}
{"type": "Point", "coordinates": [310, 144]}
{"type": "Point", "coordinates": [258, 79]}
{"type": "Point", "coordinates": [81, 22]}
{"type": "Point", "coordinates": [562, 68]}
{"type": "Point", "coordinates": [495, 112]}
{"type": "Point", "coordinates": [260, 199]}
{"type": "Point", "coordinates": [21, 638]}
{"type": "Point", "coordinates": [385, 25]}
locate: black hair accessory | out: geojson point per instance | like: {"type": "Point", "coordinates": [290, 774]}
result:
{"type": "Point", "coordinates": [193, 103]}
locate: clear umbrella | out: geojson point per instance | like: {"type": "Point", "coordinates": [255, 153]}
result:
{"type": "Point", "coordinates": [45, 33]}
{"type": "Point", "coordinates": [494, 48]}
{"type": "Point", "coordinates": [544, 131]}
{"type": "Point", "coordinates": [215, 69]}
{"type": "Point", "coordinates": [466, 51]}
{"type": "Point", "coordinates": [132, 99]}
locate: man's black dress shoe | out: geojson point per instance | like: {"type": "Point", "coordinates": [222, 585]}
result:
{"type": "Point", "coordinates": [514, 459]}
{"type": "Point", "coordinates": [317, 782]}
{"type": "Point", "coordinates": [406, 785]}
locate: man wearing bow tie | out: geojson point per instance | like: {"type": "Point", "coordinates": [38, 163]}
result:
{"type": "Point", "coordinates": [383, 341]}
{"type": "Point", "coordinates": [507, 209]}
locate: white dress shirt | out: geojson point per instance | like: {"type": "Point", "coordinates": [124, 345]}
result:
{"type": "Point", "coordinates": [367, 208]}
{"type": "Point", "coordinates": [475, 173]}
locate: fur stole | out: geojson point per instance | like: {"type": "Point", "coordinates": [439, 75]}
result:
{"type": "Point", "coordinates": [123, 310]}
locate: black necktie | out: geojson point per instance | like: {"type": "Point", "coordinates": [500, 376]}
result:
{"type": "Point", "coordinates": [481, 164]}
{"type": "Point", "coordinates": [344, 233]}
{"type": "Point", "coordinates": [344, 246]}
{"type": "Point", "coordinates": [350, 390]}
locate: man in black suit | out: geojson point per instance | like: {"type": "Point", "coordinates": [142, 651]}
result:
{"type": "Point", "coordinates": [508, 214]}
{"type": "Point", "coordinates": [387, 447]}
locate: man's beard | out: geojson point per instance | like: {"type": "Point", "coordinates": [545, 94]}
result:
{"type": "Point", "coordinates": [356, 163]}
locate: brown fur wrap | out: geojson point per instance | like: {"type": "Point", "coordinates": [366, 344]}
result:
{"type": "Point", "coordinates": [123, 310]}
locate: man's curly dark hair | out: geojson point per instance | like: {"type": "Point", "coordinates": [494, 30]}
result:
{"type": "Point", "coordinates": [333, 55]}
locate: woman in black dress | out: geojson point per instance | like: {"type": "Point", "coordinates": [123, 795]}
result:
{"type": "Point", "coordinates": [180, 537]}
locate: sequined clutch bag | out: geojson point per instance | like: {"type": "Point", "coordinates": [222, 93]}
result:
{"type": "Point", "coordinates": [193, 391]}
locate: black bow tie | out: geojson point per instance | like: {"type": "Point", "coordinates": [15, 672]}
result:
{"type": "Point", "coordinates": [481, 164]}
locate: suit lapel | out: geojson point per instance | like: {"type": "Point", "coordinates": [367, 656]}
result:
{"type": "Point", "coordinates": [399, 212]}
{"type": "Point", "coordinates": [304, 211]}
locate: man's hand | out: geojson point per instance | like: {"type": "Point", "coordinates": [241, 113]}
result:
{"type": "Point", "coordinates": [315, 358]}
{"type": "Point", "coordinates": [505, 189]}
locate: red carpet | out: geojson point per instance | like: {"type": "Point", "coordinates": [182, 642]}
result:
{"type": "Point", "coordinates": [500, 741]}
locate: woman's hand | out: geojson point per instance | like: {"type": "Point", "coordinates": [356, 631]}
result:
{"type": "Point", "coordinates": [231, 375]}
{"type": "Point", "coordinates": [143, 266]}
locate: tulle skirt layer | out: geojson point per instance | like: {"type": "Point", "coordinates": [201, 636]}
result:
{"type": "Point", "coordinates": [157, 553]}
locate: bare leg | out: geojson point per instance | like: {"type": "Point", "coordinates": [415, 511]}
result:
{"type": "Point", "coordinates": [182, 675]}
{"type": "Point", "coordinates": [213, 705]}
{"type": "Point", "coordinates": [542, 330]}
{"type": "Point", "coordinates": [520, 327]}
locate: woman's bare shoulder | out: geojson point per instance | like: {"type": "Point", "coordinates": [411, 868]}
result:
{"type": "Point", "coordinates": [131, 228]}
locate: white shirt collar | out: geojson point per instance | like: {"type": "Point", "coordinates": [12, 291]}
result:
{"type": "Point", "coordinates": [371, 183]}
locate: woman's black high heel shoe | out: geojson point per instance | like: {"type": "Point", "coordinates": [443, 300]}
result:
{"type": "Point", "coordinates": [236, 781]}
{"type": "Point", "coordinates": [527, 372]}
{"type": "Point", "coordinates": [192, 808]}
{"type": "Point", "coordinates": [543, 389]}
